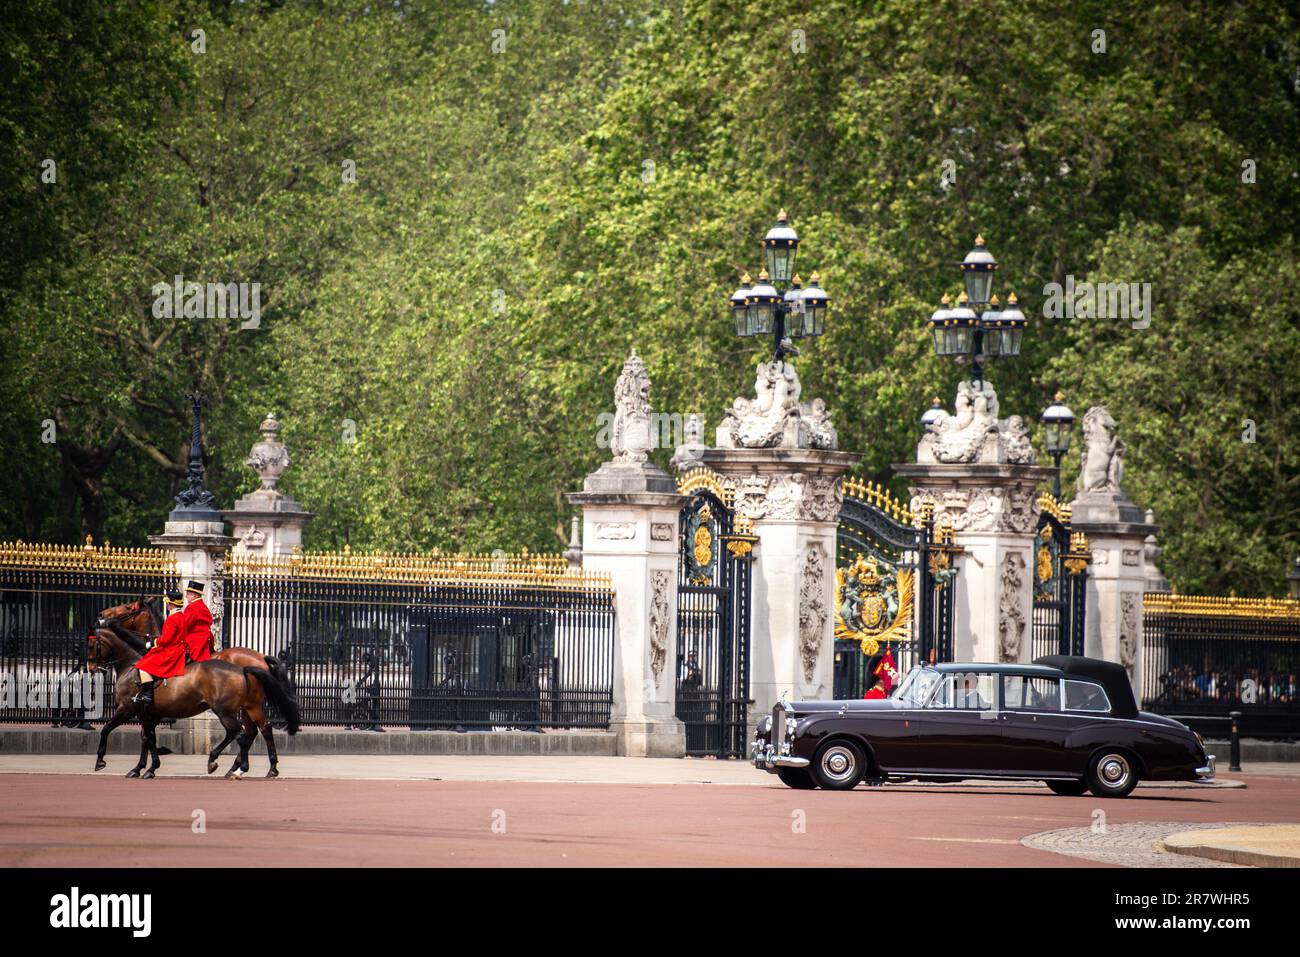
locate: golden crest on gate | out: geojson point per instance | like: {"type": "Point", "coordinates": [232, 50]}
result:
{"type": "Point", "coordinates": [703, 545]}
{"type": "Point", "coordinates": [871, 605]}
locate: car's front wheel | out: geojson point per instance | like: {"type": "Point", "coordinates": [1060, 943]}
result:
{"type": "Point", "coordinates": [839, 765]}
{"type": "Point", "coordinates": [797, 778]}
{"type": "Point", "coordinates": [1067, 788]}
{"type": "Point", "coordinates": [1112, 774]}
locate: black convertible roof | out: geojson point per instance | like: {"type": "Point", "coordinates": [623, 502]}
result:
{"type": "Point", "coordinates": [1108, 674]}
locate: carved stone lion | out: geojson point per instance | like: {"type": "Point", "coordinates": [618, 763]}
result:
{"type": "Point", "coordinates": [1102, 467]}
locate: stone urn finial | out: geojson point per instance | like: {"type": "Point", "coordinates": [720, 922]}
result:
{"type": "Point", "coordinates": [269, 457]}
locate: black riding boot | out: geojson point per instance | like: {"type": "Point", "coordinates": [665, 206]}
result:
{"type": "Point", "coordinates": [144, 697]}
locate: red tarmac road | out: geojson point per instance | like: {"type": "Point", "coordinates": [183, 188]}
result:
{"type": "Point", "coordinates": [60, 820]}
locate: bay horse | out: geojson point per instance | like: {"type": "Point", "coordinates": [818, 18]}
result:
{"type": "Point", "coordinates": [143, 618]}
{"type": "Point", "coordinates": [235, 695]}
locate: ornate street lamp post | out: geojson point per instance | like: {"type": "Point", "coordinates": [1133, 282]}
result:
{"type": "Point", "coordinates": [1058, 421]}
{"type": "Point", "coordinates": [1293, 580]}
{"type": "Point", "coordinates": [779, 304]}
{"type": "Point", "coordinates": [976, 328]}
{"type": "Point", "coordinates": [196, 503]}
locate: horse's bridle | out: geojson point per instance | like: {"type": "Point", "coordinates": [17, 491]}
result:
{"type": "Point", "coordinates": [135, 609]}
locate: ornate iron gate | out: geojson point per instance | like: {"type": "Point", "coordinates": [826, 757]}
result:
{"type": "Point", "coordinates": [1060, 579]}
{"type": "Point", "coordinates": [713, 609]}
{"type": "Point", "coordinates": [893, 586]}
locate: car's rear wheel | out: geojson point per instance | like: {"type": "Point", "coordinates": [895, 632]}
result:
{"type": "Point", "coordinates": [1068, 788]}
{"type": "Point", "coordinates": [797, 778]}
{"type": "Point", "coordinates": [839, 765]}
{"type": "Point", "coordinates": [1112, 774]}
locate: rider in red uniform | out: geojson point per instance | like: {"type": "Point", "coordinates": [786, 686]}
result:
{"type": "Point", "coordinates": [166, 656]}
{"type": "Point", "coordinates": [196, 624]}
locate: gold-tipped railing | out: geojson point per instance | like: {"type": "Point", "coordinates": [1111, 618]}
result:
{"type": "Point", "coordinates": [86, 558]}
{"type": "Point", "coordinates": [1159, 602]}
{"type": "Point", "coordinates": [1062, 512]}
{"type": "Point", "coordinates": [705, 478]}
{"type": "Point", "coordinates": [880, 497]}
{"type": "Point", "coordinates": [522, 568]}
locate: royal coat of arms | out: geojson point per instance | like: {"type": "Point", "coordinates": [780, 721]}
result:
{"type": "Point", "coordinates": [701, 553]}
{"type": "Point", "coordinates": [873, 604]}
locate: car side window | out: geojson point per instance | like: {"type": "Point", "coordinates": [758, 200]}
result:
{"type": "Point", "coordinates": [1031, 694]}
{"type": "Point", "coordinates": [1086, 696]}
{"type": "Point", "coordinates": [969, 692]}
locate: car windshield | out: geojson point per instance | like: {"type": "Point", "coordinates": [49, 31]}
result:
{"type": "Point", "coordinates": [916, 687]}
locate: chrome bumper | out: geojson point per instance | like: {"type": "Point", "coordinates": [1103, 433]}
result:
{"type": "Point", "coordinates": [1206, 773]}
{"type": "Point", "coordinates": [763, 758]}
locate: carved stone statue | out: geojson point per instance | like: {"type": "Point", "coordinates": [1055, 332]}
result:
{"type": "Point", "coordinates": [631, 439]}
{"type": "Point", "coordinates": [688, 454]}
{"type": "Point", "coordinates": [269, 457]}
{"type": "Point", "coordinates": [775, 417]}
{"type": "Point", "coordinates": [1102, 468]}
{"type": "Point", "coordinates": [973, 433]}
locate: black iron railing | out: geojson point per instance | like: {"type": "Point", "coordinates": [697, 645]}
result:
{"type": "Point", "coordinates": [1208, 657]}
{"type": "Point", "coordinates": [50, 599]}
{"type": "Point", "coordinates": [375, 642]}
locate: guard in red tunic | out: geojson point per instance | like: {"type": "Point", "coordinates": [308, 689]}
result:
{"type": "Point", "coordinates": [882, 674]}
{"type": "Point", "coordinates": [166, 656]}
{"type": "Point", "coordinates": [196, 624]}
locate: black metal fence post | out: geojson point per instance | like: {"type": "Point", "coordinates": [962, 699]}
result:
{"type": "Point", "coordinates": [1234, 740]}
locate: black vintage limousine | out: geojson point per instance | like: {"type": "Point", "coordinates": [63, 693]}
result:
{"type": "Point", "coordinates": [1071, 722]}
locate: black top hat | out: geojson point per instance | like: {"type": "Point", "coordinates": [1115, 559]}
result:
{"type": "Point", "coordinates": [195, 587]}
{"type": "Point", "coordinates": [173, 597]}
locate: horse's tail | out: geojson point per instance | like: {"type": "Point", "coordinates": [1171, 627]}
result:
{"type": "Point", "coordinates": [277, 668]}
{"type": "Point", "coordinates": [279, 696]}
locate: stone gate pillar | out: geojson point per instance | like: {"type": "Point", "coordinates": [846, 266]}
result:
{"type": "Point", "coordinates": [630, 509]}
{"type": "Point", "coordinates": [978, 471]}
{"type": "Point", "coordinates": [1118, 532]}
{"type": "Point", "coordinates": [781, 453]}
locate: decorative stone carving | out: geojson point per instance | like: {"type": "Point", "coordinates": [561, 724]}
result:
{"type": "Point", "coordinates": [1011, 617]}
{"type": "Point", "coordinates": [1102, 467]}
{"type": "Point", "coordinates": [688, 454]}
{"type": "Point", "coordinates": [269, 457]}
{"type": "Point", "coordinates": [631, 439]}
{"type": "Point", "coordinates": [812, 608]}
{"type": "Point", "coordinates": [215, 598]}
{"type": "Point", "coordinates": [974, 433]}
{"type": "Point", "coordinates": [659, 581]}
{"type": "Point", "coordinates": [790, 497]}
{"type": "Point", "coordinates": [983, 510]}
{"type": "Point", "coordinates": [615, 531]}
{"type": "Point", "coordinates": [661, 532]}
{"type": "Point", "coordinates": [775, 417]}
{"type": "Point", "coordinates": [253, 539]}
{"type": "Point", "coordinates": [1130, 629]}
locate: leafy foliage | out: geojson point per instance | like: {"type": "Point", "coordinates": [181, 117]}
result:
{"type": "Point", "coordinates": [529, 204]}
